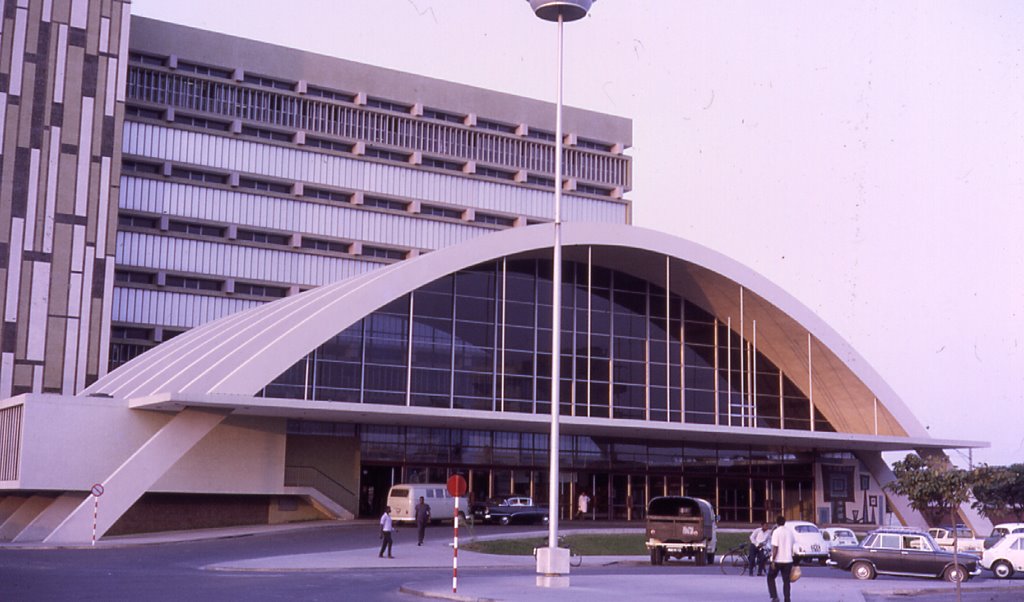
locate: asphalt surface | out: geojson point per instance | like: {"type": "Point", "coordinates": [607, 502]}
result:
{"type": "Point", "coordinates": [331, 561]}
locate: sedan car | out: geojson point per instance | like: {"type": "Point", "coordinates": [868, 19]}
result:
{"type": "Point", "coordinates": [904, 552]}
{"type": "Point", "coordinates": [1005, 557]}
{"type": "Point", "coordinates": [516, 510]}
{"type": "Point", "coordinates": [839, 536]}
{"type": "Point", "coordinates": [966, 540]}
{"type": "Point", "coordinates": [1001, 530]}
{"type": "Point", "coordinates": [807, 542]}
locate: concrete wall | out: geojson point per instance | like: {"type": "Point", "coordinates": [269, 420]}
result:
{"type": "Point", "coordinates": [336, 457]}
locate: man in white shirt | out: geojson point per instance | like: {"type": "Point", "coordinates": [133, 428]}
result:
{"type": "Point", "coordinates": [782, 559]}
{"type": "Point", "coordinates": [582, 505]}
{"type": "Point", "coordinates": [758, 538]}
{"type": "Point", "coordinates": [386, 528]}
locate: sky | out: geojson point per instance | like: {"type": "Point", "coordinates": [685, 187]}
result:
{"type": "Point", "coordinates": [867, 157]}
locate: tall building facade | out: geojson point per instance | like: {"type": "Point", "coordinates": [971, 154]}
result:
{"type": "Point", "coordinates": [61, 106]}
{"type": "Point", "coordinates": [253, 172]}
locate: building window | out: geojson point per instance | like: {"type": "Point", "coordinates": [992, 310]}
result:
{"type": "Point", "coordinates": [264, 185]}
{"type": "Point", "coordinates": [380, 153]}
{"type": "Point", "coordinates": [266, 134]}
{"type": "Point", "coordinates": [133, 277]}
{"type": "Point", "coordinates": [383, 253]}
{"type": "Point", "coordinates": [198, 284]}
{"type": "Point", "coordinates": [201, 122]}
{"type": "Point", "coordinates": [591, 189]}
{"type": "Point", "coordinates": [199, 176]}
{"type": "Point", "coordinates": [131, 333]}
{"type": "Point", "coordinates": [329, 94]}
{"type": "Point", "coordinates": [268, 82]}
{"type": "Point", "coordinates": [327, 195]}
{"type": "Point", "coordinates": [341, 147]}
{"type": "Point", "coordinates": [325, 245]}
{"type": "Point", "coordinates": [143, 112]}
{"type": "Point", "coordinates": [372, 201]}
{"type": "Point", "coordinates": [132, 166]}
{"type": "Point", "coordinates": [445, 116]}
{"type": "Point", "coordinates": [494, 126]}
{"type": "Point", "coordinates": [387, 105]}
{"type": "Point", "coordinates": [593, 145]}
{"type": "Point", "coordinates": [259, 290]}
{"type": "Point", "coordinates": [441, 211]}
{"type": "Point", "coordinates": [540, 135]}
{"type": "Point", "coordinates": [263, 237]}
{"type": "Point", "coordinates": [136, 221]}
{"type": "Point", "coordinates": [500, 174]}
{"type": "Point", "coordinates": [442, 164]}
{"type": "Point", "coordinates": [196, 229]}
{"type": "Point", "coordinates": [122, 353]}
{"type": "Point", "coordinates": [145, 59]}
{"type": "Point", "coordinates": [498, 220]}
{"type": "Point", "coordinates": [540, 181]}
{"type": "Point", "coordinates": [187, 67]}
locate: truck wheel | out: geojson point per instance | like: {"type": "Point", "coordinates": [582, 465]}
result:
{"type": "Point", "coordinates": [657, 556]}
{"type": "Point", "coordinates": [700, 558]}
{"type": "Point", "coordinates": [711, 558]}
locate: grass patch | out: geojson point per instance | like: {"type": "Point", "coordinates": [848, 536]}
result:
{"type": "Point", "coordinates": [631, 544]}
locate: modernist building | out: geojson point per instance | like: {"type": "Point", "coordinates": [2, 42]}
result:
{"type": "Point", "coordinates": [344, 275]}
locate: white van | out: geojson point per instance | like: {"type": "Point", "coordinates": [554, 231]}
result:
{"type": "Point", "coordinates": [403, 499]}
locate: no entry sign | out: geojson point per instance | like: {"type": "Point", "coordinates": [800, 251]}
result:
{"type": "Point", "coordinates": [457, 485]}
{"type": "Point", "coordinates": [97, 490]}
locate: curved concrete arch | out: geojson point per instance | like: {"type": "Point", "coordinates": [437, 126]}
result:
{"type": "Point", "coordinates": [243, 352]}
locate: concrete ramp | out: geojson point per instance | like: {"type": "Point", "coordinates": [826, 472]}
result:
{"type": "Point", "coordinates": [46, 521]}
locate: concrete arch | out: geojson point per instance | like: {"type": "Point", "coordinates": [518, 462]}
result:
{"type": "Point", "coordinates": [240, 354]}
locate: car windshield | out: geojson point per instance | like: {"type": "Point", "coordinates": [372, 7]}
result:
{"type": "Point", "coordinates": [999, 532]}
{"type": "Point", "coordinates": [806, 529]}
{"type": "Point", "coordinates": [845, 534]}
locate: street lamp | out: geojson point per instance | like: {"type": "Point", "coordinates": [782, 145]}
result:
{"type": "Point", "coordinates": [552, 560]}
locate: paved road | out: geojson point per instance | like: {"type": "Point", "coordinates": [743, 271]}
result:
{"type": "Point", "coordinates": [338, 562]}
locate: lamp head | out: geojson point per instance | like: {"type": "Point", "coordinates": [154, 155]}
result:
{"type": "Point", "coordinates": [569, 10]}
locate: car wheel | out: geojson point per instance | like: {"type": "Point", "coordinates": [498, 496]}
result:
{"type": "Point", "coordinates": [654, 556]}
{"type": "Point", "coordinates": [1002, 570]}
{"type": "Point", "coordinates": [954, 574]}
{"type": "Point", "coordinates": [711, 559]}
{"type": "Point", "coordinates": [504, 521]}
{"type": "Point", "coordinates": [862, 570]}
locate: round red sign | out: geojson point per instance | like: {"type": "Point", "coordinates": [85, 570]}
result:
{"type": "Point", "coordinates": [97, 490]}
{"type": "Point", "coordinates": [457, 485]}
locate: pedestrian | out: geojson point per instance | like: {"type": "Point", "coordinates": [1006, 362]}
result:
{"type": "Point", "coordinates": [758, 539]}
{"type": "Point", "coordinates": [386, 529]}
{"type": "Point", "coordinates": [782, 559]}
{"type": "Point", "coordinates": [422, 518]}
{"type": "Point", "coordinates": [582, 504]}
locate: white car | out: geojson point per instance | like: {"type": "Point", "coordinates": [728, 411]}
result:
{"type": "Point", "coordinates": [967, 540]}
{"type": "Point", "coordinates": [1005, 557]}
{"type": "Point", "coordinates": [808, 542]}
{"type": "Point", "coordinates": [839, 536]}
{"type": "Point", "coordinates": [1001, 530]}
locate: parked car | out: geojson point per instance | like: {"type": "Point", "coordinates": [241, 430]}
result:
{"type": "Point", "coordinates": [1006, 556]}
{"type": "Point", "coordinates": [681, 527]}
{"type": "Point", "coordinates": [904, 552]}
{"type": "Point", "coordinates": [516, 510]}
{"type": "Point", "coordinates": [808, 543]}
{"type": "Point", "coordinates": [967, 540]}
{"type": "Point", "coordinates": [839, 536]}
{"type": "Point", "coordinates": [1001, 530]}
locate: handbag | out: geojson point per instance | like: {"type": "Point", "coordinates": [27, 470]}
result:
{"type": "Point", "coordinates": [794, 573]}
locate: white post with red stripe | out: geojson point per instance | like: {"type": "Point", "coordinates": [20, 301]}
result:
{"type": "Point", "coordinates": [96, 491]}
{"type": "Point", "coordinates": [455, 550]}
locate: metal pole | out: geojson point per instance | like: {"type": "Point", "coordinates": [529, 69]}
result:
{"type": "Point", "coordinates": [556, 311]}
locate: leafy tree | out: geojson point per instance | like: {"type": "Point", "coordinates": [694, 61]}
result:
{"type": "Point", "coordinates": [1000, 492]}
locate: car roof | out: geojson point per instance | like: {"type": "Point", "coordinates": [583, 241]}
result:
{"type": "Point", "coordinates": [1009, 525]}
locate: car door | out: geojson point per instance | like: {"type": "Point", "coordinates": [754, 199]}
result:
{"type": "Point", "coordinates": [917, 556]}
{"type": "Point", "coordinates": [885, 553]}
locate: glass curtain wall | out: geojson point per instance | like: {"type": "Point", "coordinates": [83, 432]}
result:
{"type": "Point", "coordinates": [480, 339]}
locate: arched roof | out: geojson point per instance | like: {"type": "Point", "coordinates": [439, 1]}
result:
{"type": "Point", "coordinates": [242, 353]}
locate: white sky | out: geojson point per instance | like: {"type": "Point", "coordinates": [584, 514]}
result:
{"type": "Point", "coordinates": [868, 157]}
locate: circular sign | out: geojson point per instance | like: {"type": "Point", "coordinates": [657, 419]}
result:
{"type": "Point", "coordinates": [457, 485]}
{"type": "Point", "coordinates": [97, 490]}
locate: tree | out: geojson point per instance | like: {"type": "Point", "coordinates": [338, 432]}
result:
{"type": "Point", "coordinates": [1000, 492]}
{"type": "Point", "coordinates": [935, 488]}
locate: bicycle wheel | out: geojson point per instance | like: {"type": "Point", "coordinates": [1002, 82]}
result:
{"type": "Point", "coordinates": [734, 562]}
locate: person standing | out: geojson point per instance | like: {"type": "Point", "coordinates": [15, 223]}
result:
{"type": "Point", "coordinates": [386, 528]}
{"type": "Point", "coordinates": [582, 504]}
{"type": "Point", "coordinates": [758, 539]}
{"type": "Point", "coordinates": [422, 518]}
{"type": "Point", "coordinates": [782, 559]}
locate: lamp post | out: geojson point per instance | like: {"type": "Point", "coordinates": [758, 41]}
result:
{"type": "Point", "coordinates": [553, 561]}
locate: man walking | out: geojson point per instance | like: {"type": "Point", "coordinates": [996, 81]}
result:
{"type": "Point", "coordinates": [582, 504]}
{"type": "Point", "coordinates": [386, 528]}
{"type": "Point", "coordinates": [782, 559]}
{"type": "Point", "coordinates": [758, 539]}
{"type": "Point", "coordinates": [422, 518]}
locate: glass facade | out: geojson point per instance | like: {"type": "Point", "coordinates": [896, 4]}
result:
{"type": "Point", "coordinates": [480, 339]}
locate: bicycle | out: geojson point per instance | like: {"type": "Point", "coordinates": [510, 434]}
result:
{"type": "Point", "coordinates": [736, 561]}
